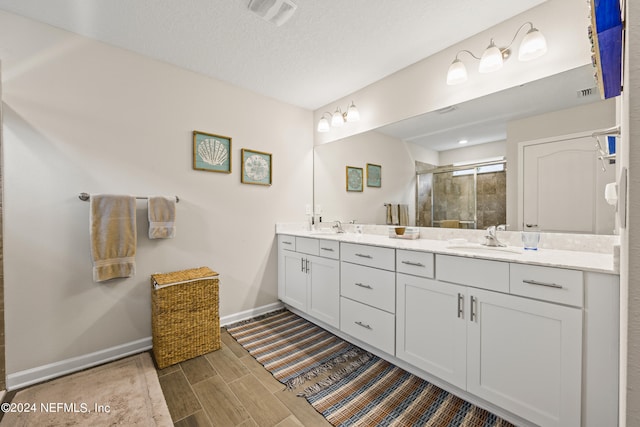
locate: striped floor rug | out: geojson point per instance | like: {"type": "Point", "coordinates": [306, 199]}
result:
{"type": "Point", "coordinates": [295, 350]}
{"type": "Point", "coordinates": [364, 391]}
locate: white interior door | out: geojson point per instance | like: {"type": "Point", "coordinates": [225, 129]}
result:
{"type": "Point", "coordinates": [563, 186]}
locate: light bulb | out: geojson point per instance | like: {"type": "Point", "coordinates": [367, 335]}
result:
{"type": "Point", "coordinates": [353, 115]}
{"type": "Point", "coordinates": [491, 59]}
{"type": "Point", "coordinates": [336, 119]}
{"type": "Point", "coordinates": [457, 73]}
{"type": "Point", "coordinates": [533, 45]}
{"type": "Point", "coordinates": [323, 125]}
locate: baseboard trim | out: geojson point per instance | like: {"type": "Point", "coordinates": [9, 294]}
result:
{"type": "Point", "coordinates": [43, 373]}
{"type": "Point", "coordinates": [53, 370]}
{"type": "Point", "coordinates": [248, 314]}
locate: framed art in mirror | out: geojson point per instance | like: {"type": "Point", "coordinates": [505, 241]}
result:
{"type": "Point", "coordinates": [256, 167]}
{"type": "Point", "coordinates": [374, 175]}
{"type": "Point", "coordinates": [211, 152]}
{"type": "Point", "coordinates": [354, 178]}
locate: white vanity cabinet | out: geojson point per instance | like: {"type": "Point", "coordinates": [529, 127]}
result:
{"type": "Point", "coordinates": [308, 281]}
{"type": "Point", "coordinates": [521, 354]}
{"type": "Point", "coordinates": [368, 292]}
{"type": "Point", "coordinates": [431, 327]}
{"type": "Point", "coordinates": [533, 342]}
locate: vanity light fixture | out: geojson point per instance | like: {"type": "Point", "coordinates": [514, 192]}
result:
{"type": "Point", "coordinates": [338, 118]}
{"type": "Point", "coordinates": [533, 46]}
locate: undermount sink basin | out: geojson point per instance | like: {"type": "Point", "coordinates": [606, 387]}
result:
{"type": "Point", "coordinates": [477, 247]}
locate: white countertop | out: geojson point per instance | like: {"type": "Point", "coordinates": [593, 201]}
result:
{"type": "Point", "coordinates": [586, 261]}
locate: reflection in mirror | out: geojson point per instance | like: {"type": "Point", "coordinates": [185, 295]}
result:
{"type": "Point", "coordinates": [462, 196]}
{"type": "Point", "coordinates": [495, 126]}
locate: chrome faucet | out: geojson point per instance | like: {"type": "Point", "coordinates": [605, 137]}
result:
{"type": "Point", "coordinates": [337, 225]}
{"type": "Point", "coordinates": [491, 239]}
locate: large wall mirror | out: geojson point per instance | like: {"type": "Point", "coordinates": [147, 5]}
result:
{"type": "Point", "coordinates": [480, 183]}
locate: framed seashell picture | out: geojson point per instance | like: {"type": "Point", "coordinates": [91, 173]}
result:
{"type": "Point", "coordinates": [256, 167]}
{"type": "Point", "coordinates": [211, 152]}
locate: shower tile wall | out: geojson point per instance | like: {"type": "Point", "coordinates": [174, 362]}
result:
{"type": "Point", "coordinates": [454, 198]}
{"type": "Point", "coordinates": [492, 199]}
{"type": "Point", "coordinates": [423, 216]}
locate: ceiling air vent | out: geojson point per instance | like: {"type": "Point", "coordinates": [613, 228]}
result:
{"type": "Point", "coordinates": [275, 11]}
{"type": "Point", "coordinates": [586, 92]}
{"type": "Point", "coordinates": [446, 110]}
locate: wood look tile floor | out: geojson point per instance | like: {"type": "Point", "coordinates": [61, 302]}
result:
{"type": "Point", "coordinates": [229, 388]}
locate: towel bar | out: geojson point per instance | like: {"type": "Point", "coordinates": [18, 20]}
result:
{"type": "Point", "coordinates": [86, 196]}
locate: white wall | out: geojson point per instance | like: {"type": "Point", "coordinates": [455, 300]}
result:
{"type": "Point", "coordinates": [474, 153]}
{"type": "Point", "coordinates": [584, 118]}
{"type": "Point", "coordinates": [366, 207]}
{"type": "Point", "coordinates": [83, 116]}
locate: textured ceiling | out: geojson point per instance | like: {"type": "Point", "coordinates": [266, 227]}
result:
{"type": "Point", "coordinates": [328, 49]}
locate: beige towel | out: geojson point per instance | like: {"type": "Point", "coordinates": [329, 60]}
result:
{"type": "Point", "coordinates": [403, 215]}
{"type": "Point", "coordinates": [389, 207]}
{"type": "Point", "coordinates": [162, 217]}
{"type": "Point", "coordinates": [113, 236]}
{"type": "Point", "coordinates": [449, 223]}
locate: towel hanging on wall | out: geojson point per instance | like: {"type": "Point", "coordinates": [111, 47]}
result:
{"type": "Point", "coordinates": [113, 236]}
{"type": "Point", "coordinates": [162, 217]}
{"type": "Point", "coordinates": [403, 214]}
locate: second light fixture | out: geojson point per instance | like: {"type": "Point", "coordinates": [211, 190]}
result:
{"type": "Point", "coordinates": [533, 46]}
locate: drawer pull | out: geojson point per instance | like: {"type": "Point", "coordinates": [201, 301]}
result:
{"type": "Point", "coordinates": [364, 325]}
{"type": "Point", "coordinates": [473, 307]}
{"type": "Point", "coordinates": [548, 285]}
{"type": "Point", "coordinates": [327, 249]}
{"type": "Point", "coordinates": [460, 305]}
{"type": "Point", "coordinates": [364, 256]}
{"type": "Point", "coordinates": [363, 286]}
{"type": "Point", "coordinates": [286, 243]}
{"type": "Point", "coordinates": [416, 264]}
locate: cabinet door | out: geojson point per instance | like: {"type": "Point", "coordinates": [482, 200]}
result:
{"type": "Point", "coordinates": [431, 327]}
{"type": "Point", "coordinates": [324, 291]}
{"type": "Point", "coordinates": [526, 356]}
{"type": "Point", "coordinates": [292, 283]}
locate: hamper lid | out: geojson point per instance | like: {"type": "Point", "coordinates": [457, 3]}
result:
{"type": "Point", "coordinates": [183, 275]}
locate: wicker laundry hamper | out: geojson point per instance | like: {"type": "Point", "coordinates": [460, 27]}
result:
{"type": "Point", "coordinates": [185, 317]}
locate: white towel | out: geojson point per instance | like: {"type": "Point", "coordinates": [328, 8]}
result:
{"type": "Point", "coordinates": [162, 217]}
{"type": "Point", "coordinates": [394, 214]}
{"type": "Point", "coordinates": [113, 236]}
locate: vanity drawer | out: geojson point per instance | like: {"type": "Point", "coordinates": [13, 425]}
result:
{"type": "Point", "coordinates": [372, 256]}
{"type": "Point", "coordinates": [307, 245]}
{"type": "Point", "coordinates": [330, 249]}
{"type": "Point", "coordinates": [415, 263]}
{"type": "Point", "coordinates": [370, 325]}
{"type": "Point", "coordinates": [548, 283]}
{"type": "Point", "coordinates": [479, 273]}
{"type": "Point", "coordinates": [286, 242]}
{"type": "Point", "coordinates": [369, 285]}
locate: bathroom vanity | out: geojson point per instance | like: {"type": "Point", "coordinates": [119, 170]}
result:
{"type": "Point", "coordinates": [529, 335]}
